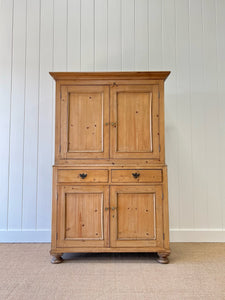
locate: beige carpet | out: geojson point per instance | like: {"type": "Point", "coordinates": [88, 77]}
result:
{"type": "Point", "coordinates": [196, 271]}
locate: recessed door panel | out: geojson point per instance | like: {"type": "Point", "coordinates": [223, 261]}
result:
{"type": "Point", "coordinates": [84, 115]}
{"type": "Point", "coordinates": [83, 220]}
{"type": "Point", "coordinates": [135, 121]}
{"type": "Point", "coordinates": [85, 122]}
{"type": "Point", "coordinates": [84, 216]}
{"type": "Point", "coordinates": [133, 116]}
{"type": "Point", "coordinates": [136, 216]}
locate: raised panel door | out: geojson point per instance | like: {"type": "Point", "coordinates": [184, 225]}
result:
{"type": "Point", "coordinates": [134, 121]}
{"type": "Point", "coordinates": [136, 216]}
{"type": "Point", "coordinates": [84, 115]}
{"type": "Point", "coordinates": [82, 218]}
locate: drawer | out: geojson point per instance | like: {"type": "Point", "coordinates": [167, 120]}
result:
{"type": "Point", "coordinates": [83, 175]}
{"type": "Point", "coordinates": [138, 176]}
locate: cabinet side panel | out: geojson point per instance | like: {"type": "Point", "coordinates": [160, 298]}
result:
{"type": "Point", "coordinates": [165, 210]}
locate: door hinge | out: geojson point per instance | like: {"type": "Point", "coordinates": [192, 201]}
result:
{"type": "Point", "coordinates": [163, 236]}
{"type": "Point", "coordinates": [158, 94]}
{"type": "Point", "coordinates": [57, 197]}
{"type": "Point", "coordinates": [162, 196]}
{"type": "Point", "coordinates": [159, 148]}
{"type": "Point", "coordinates": [59, 148]}
{"type": "Point", "coordinates": [56, 235]}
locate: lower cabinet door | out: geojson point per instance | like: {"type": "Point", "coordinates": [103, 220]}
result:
{"type": "Point", "coordinates": [136, 216]}
{"type": "Point", "coordinates": [83, 216]}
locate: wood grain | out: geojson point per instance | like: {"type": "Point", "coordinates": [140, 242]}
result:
{"type": "Point", "coordinates": [75, 176]}
{"type": "Point", "coordinates": [136, 216]}
{"type": "Point", "coordinates": [127, 232]}
{"type": "Point", "coordinates": [144, 176]}
{"type": "Point", "coordinates": [82, 219]}
{"type": "Point", "coordinates": [84, 115]}
{"type": "Point", "coordinates": [134, 111]}
{"type": "Point", "coordinates": [83, 216]}
{"type": "Point", "coordinates": [107, 75]}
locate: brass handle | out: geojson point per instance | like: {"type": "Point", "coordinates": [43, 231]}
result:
{"type": "Point", "coordinates": [136, 175]}
{"type": "Point", "coordinates": [83, 175]}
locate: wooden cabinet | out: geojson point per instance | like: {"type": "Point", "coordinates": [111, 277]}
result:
{"type": "Point", "coordinates": [109, 176]}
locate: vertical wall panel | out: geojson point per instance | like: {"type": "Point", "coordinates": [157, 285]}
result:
{"type": "Point", "coordinates": [31, 116]}
{"type": "Point", "coordinates": [171, 134]}
{"type": "Point", "coordinates": [60, 35]}
{"type": "Point", "coordinates": [73, 36]}
{"type": "Point", "coordinates": [6, 31]}
{"type": "Point", "coordinates": [184, 115]}
{"type": "Point", "coordinates": [17, 116]}
{"type": "Point", "coordinates": [45, 130]}
{"type": "Point", "coordinates": [128, 35]}
{"type": "Point", "coordinates": [155, 35]}
{"type": "Point", "coordinates": [101, 48]}
{"type": "Point", "coordinates": [199, 166]}
{"type": "Point", "coordinates": [220, 25]}
{"type": "Point", "coordinates": [87, 35]}
{"type": "Point", "coordinates": [211, 113]}
{"type": "Point", "coordinates": [114, 36]}
{"type": "Point", "coordinates": [141, 35]}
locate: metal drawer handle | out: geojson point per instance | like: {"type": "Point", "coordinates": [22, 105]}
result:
{"type": "Point", "coordinates": [136, 175]}
{"type": "Point", "coordinates": [83, 175]}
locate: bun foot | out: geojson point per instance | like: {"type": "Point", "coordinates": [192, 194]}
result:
{"type": "Point", "coordinates": [163, 258]}
{"type": "Point", "coordinates": [56, 258]}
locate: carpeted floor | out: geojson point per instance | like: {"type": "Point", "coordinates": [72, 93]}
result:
{"type": "Point", "coordinates": [196, 271]}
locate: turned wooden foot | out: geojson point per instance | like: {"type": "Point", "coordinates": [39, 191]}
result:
{"type": "Point", "coordinates": [57, 258]}
{"type": "Point", "coordinates": [163, 258]}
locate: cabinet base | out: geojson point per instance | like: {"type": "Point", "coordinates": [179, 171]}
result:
{"type": "Point", "coordinates": [57, 258]}
{"type": "Point", "coordinates": [163, 258]}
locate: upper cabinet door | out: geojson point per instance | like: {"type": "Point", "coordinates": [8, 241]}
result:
{"type": "Point", "coordinates": [84, 117]}
{"type": "Point", "coordinates": [134, 121]}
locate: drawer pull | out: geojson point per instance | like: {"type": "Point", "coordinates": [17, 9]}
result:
{"type": "Point", "coordinates": [83, 175]}
{"type": "Point", "coordinates": [136, 175]}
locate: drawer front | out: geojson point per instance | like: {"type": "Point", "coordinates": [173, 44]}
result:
{"type": "Point", "coordinates": [137, 176]}
{"type": "Point", "coordinates": [83, 176]}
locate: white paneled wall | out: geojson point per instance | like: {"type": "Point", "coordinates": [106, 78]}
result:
{"type": "Point", "coordinates": [186, 37]}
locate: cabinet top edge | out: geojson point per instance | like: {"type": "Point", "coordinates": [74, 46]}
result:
{"type": "Point", "coordinates": [160, 75]}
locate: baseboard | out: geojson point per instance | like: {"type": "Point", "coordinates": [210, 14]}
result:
{"type": "Point", "coordinates": [197, 235]}
{"type": "Point", "coordinates": [176, 235]}
{"type": "Point", "coordinates": [25, 236]}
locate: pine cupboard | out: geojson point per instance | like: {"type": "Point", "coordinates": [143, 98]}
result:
{"type": "Point", "coordinates": [110, 176]}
